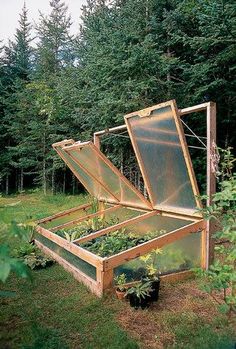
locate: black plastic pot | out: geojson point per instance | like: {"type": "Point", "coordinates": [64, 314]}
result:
{"type": "Point", "coordinates": [136, 302]}
{"type": "Point", "coordinates": [155, 285]}
{"type": "Point", "coordinates": [154, 294]}
{"type": "Point", "coordinates": [145, 302]}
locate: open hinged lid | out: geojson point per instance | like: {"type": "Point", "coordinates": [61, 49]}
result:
{"type": "Point", "coordinates": [162, 153]}
{"type": "Point", "coordinates": [98, 175]}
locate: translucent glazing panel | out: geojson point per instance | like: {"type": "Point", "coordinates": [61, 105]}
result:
{"type": "Point", "coordinates": [157, 145]}
{"type": "Point", "coordinates": [106, 174]}
{"type": "Point", "coordinates": [101, 221]}
{"type": "Point", "coordinates": [159, 224]}
{"type": "Point", "coordinates": [66, 218]}
{"type": "Point", "coordinates": [133, 234]}
{"type": "Point", "coordinates": [122, 214]}
{"type": "Point", "coordinates": [180, 255]}
{"type": "Point", "coordinates": [77, 262]}
{"type": "Point", "coordinates": [92, 186]}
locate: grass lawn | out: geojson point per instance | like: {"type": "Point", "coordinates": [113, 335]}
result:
{"type": "Point", "coordinates": [54, 311]}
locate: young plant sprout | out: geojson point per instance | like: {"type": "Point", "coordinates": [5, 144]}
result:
{"type": "Point", "coordinates": [120, 282]}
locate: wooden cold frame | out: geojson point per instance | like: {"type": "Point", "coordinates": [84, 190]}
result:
{"type": "Point", "coordinates": [104, 266]}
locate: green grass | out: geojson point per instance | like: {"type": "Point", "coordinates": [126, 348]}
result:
{"type": "Point", "coordinates": [54, 311]}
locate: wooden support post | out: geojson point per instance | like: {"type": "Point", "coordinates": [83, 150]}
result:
{"type": "Point", "coordinates": [211, 179]}
{"type": "Point", "coordinates": [207, 240]}
{"type": "Point", "coordinates": [96, 141]}
{"type": "Point", "coordinates": [105, 279]}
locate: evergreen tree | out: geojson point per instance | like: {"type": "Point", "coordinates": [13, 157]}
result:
{"type": "Point", "coordinates": [54, 49]}
{"type": "Point", "coordinates": [22, 48]}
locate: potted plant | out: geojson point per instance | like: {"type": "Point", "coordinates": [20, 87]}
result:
{"type": "Point", "coordinates": [121, 289]}
{"type": "Point", "coordinates": [139, 295]}
{"type": "Point", "coordinates": [152, 275]}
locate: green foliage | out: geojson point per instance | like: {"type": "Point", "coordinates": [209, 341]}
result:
{"type": "Point", "coordinates": [120, 280]}
{"type": "Point", "coordinates": [37, 261]}
{"type": "Point", "coordinates": [68, 87]}
{"type": "Point", "coordinates": [8, 264]}
{"type": "Point", "coordinates": [150, 261]}
{"type": "Point", "coordinates": [24, 249]}
{"type": "Point", "coordinates": [86, 227]}
{"type": "Point", "coordinates": [117, 241]}
{"type": "Point", "coordinates": [140, 290]}
{"type": "Point", "coordinates": [32, 256]}
{"type": "Point", "coordinates": [35, 319]}
{"type": "Point", "coordinates": [221, 275]}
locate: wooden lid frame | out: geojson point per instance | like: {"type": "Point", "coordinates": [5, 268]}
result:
{"type": "Point", "coordinates": [147, 113]}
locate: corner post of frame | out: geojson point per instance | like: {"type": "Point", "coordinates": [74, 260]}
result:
{"type": "Point", "coordinates": [96, 140]}
{"type": "Point", "coordinates": [105, 279]}
{"type": "Point", "coordinates": [211, 179]}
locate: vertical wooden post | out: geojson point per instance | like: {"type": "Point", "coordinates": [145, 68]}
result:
{"type": "Point", "coordinates": [211, 179]}
{"type": "Point", "coordinates": [96, 141]}
{"type": "Point", "coordinates": [105, 279]}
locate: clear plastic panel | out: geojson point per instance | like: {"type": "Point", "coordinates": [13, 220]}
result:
{"type": "Point", "coordinates": [157, 145]}
{"type": "Point", "coordinates": [107, 175]}
{"type": "Point", "coordinates": [77, 262]}
{"type": "Point", "coordinates": [159, 224]}
{"type": "Point", "coordinates": [180, 255]}
{"type": "Point", "coordinates": [92, 186]}
{"type": "Point", "coordinates": [101, 221]}
{"type": "Point", "coordinates": [66, 218]}
{"type": "Point", "coordinates": [141, 231]}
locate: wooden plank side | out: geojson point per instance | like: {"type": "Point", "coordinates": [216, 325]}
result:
{"type": "Point", "coordinates": [193, 109]}
{"type": "Point", "coordinates": [172, 277]}
{"type": "Point", "coordinates": [108, 130]}
{"type": "Point", "coordinates": [84, 218]}
{"type": "Point", "coordinates": [134, 252]}
{"type": "Point", "coordinates": [114, 227]}
{"type": "Point", "coordinates": [93, 285]}
{"type": "Point", "coordinates": [63, 213]}
{"type": "Point", "coordinates": [87, 256]}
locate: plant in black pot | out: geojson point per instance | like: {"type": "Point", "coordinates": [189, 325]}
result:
{"type": "Point", "coordinates": [152, 274]}
{"type": "Point", "coordinates": [139, 295]}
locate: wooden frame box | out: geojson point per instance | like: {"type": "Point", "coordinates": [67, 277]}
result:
{"type": "Point", "coordinates": [117, 197]}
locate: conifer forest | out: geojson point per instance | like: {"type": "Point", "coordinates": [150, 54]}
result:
{"type": "Point", "coordinates": [127, 55]}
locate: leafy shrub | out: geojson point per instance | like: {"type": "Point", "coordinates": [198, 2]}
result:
{"type": "Point", "coordinates": [37, 261]}
{"type": "Point", "coordinates": [221, 275]}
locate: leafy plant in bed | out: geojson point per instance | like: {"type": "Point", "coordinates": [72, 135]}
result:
{"type": "Point", "coordinates": [117, 241]}
{"type": "Point", "coordinates": [85, 228]}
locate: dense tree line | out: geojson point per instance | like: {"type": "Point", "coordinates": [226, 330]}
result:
{"type": "Point", "coordinates": [129, 54]}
